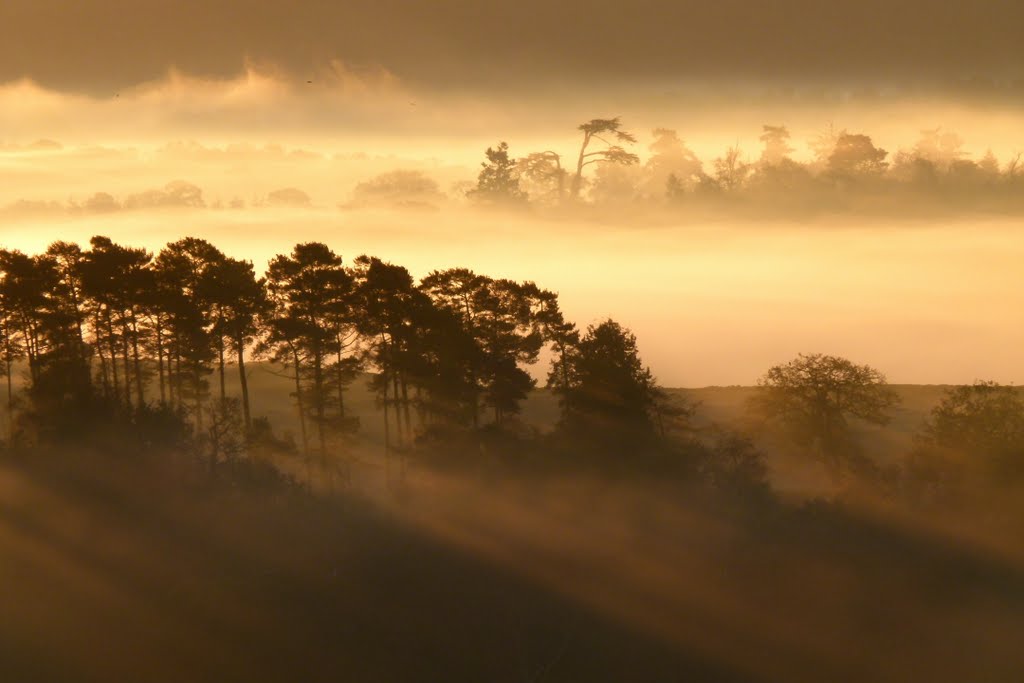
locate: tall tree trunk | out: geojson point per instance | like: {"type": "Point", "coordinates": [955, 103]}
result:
{"type": "Point", "coordinates": [341, 384]}
{"type": "Point", "coordinates": [387, 431]}
{"type": "Point", "coordinates": [197, 395]}
{"type": "Point", "coordinates": [178, 379]}
{"type": "Point", "coordinates": [160, 359]}
{"type": "Point", "coordinates": [126, 357]}
{"type": "Point", "coordinates": [243, 382]}
{"type": "Point", "coordinates": [10, 398]}
{"type": "Point", "coordinates": [318, 401]}
{"type": "Point", "coordinates": [30, 350]}
{"type": "Point", "coordinates": [405, 406]}
{"type": "Point", "coordinates": [220, 370]}
{"type": "Point", "coordinates": [321, 410]}
{"type": "Point", "coordinates": [399, 427]}
{"type": "Point", "coordinates": [298, 401]}
{"type": "Point", "coordinates": [565, 369]}
{"type": "Point", "coordinates": [476, 401]}
{"type": "Point", "coordinates": [140, 393]}
{"type": "Point", "coordinates": [80, 342]}
{"type": "Point", "coordinates": [421, 411]}
{"type": "Point", "coordinates": [103, 361]}
{"type": "Point", "coordinates": [564, 379]}
{"type": "Point", "coordinates": [302, 418]}
{"type": "Point", "coordinates": [198, 403]}
{"type": "Point", "coordinates": [112, 347]}
{"type": "Point", "coordinates": [577, 180]}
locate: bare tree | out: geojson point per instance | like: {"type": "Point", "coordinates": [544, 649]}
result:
{"type": "Point", "coordinates": [730, 169]}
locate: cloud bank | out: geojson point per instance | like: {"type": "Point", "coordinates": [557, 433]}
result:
{"type": "Point", "coordinates": [104, 45]}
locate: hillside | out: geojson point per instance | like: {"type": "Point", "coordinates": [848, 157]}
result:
{"type": "Point", "coordinates": [724, 407]}
{"type": "Point", "coordinates": [141, 566]}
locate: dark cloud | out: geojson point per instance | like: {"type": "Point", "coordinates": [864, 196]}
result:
{"type": "Point", "coordinates": [103, 45]}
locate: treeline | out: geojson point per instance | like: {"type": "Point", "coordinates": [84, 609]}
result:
{"type": "Point", "coordinates": [847, 169]}
{"type": "Point", "coordinates": [115, 329]}
{"type": "Point", "coordinates": [118, 335]}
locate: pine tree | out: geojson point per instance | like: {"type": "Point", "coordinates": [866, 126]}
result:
{"type": "Point", "coordinates": [498, 182]}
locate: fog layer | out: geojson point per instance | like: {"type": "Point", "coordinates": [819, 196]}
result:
{"type": "Point", "coordinates": [712, 303]}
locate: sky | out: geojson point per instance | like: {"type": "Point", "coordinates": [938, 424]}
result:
{"type": "Point", "coordinates": [105, 104]}
{"type": "Point", "coordinates": [102, 45]}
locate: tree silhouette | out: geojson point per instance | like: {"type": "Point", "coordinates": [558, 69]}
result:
{"type": "Point", "coordinates": [311, 296]}
{"type": "Point", "coordinates": [41, 321]}
{"type": "Point", "coordinates": [241, 303]}
{"type": "Point", "coordinates": [65, 361]}
{"type": "Point", "coordinates": [730, 169]}
{"type": "Point", "coordinates": [556, 331]}
{"type": "Point", "coordinates": [605, 391]}
{"type": "Point", "coordinates": [68, 260]}
{"type": "Point", "coordinates": [447, 348]}
{"type": "Point", "coordinates": [776, 145]}
{"type": "Point", "coordinates": [401, 188]}
{"type": "Point", "coordinates": [824, 143]}
{"type": "Point", "coordinates": [11, 347]}
{"type": "Point", "coordinates": [984, 423]}
{"type": "Point", "coordinates": [509, 338]}
{"type": "Point", "coordinates": [855, 156]}
{"type": "Point", "coordinates": [183, 272]}
{"type": "Point", "coordinates": [498, 316]}
{"type": "Point", "coordinates": [390, 312]}
{"type": "Point", "coordinates": [671, 166]}
{"type": "Point", "coordinates": [498, 182]}
{"type": "Point", "coordinates": [816, 395]}
{"type": "Point", "coordinates": [601, 130]}
{"type": "Point", "coordinates": [543, 170]}
{"type": "Point", "coordinates": [25, 298]}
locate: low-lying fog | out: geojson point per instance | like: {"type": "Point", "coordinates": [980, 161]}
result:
{"type": "Point", "coordinates": [712, 303]}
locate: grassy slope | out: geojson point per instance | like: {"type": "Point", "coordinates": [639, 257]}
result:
{"type": "Point", "coordinates": [724, 406]}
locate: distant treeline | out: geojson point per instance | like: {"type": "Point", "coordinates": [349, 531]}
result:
{"type": "Point", "coordinates": [847, 170]}
{"type": "Point", "coordinates": [119, 329]}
